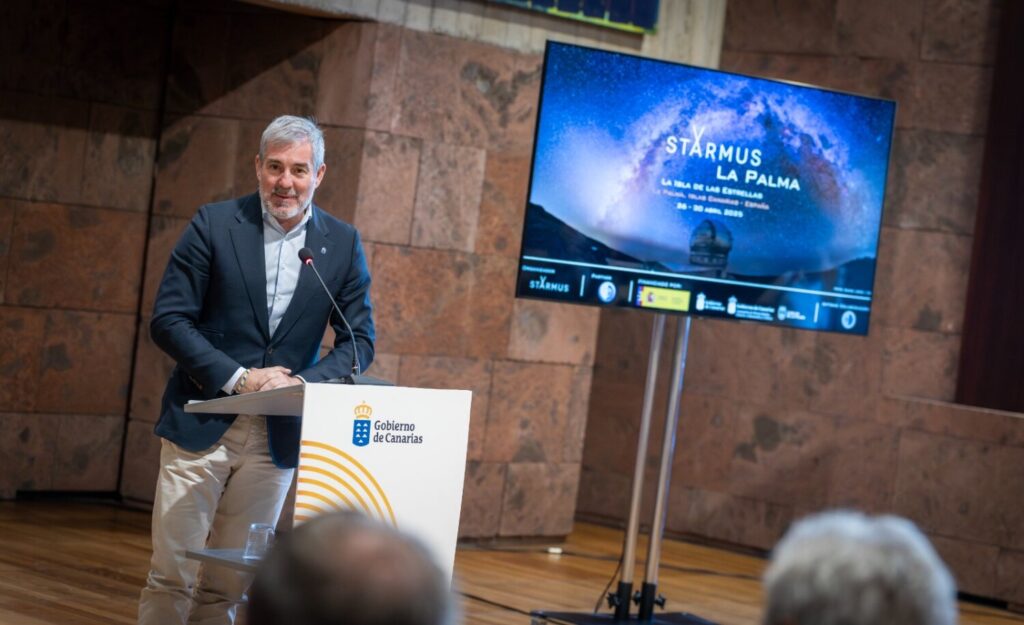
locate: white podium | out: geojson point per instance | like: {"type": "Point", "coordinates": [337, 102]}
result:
{"type": "Point", "coordinates": [396, 454]}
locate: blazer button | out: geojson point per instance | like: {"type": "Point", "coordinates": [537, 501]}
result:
{"type": "Point", "coordinates": [270, 350]}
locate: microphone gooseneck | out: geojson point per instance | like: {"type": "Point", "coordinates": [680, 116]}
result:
{"type": "Point", "coordinates": [306, 256]}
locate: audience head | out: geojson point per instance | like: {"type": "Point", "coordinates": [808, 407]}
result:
{"type": "Point", "coordinates": [845, 568]}
{"type": "Point", "coordinates": [343, 568]}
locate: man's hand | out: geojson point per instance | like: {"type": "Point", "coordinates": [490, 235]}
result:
{"type": "Point", "coordinates": [277, 379]}
{"type": "Point", "coordinates": [258, 379]}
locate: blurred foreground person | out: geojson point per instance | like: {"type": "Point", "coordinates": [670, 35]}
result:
{"type": "Point", "coordinates": [346, 569]}
{"type": "Point", "coordinates": [845, 568]}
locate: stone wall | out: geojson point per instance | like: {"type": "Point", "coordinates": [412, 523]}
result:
{"type": "Point", "coordinates": [78, 122]}
{"type": "Point", "coordinates": [777, 423]}
{"type": "Point", "coordinates": [121, 118]}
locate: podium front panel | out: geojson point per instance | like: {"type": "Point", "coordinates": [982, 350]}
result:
{"type": "Point", "coordinates": [396, 454]}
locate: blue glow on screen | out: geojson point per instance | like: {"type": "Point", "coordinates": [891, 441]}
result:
{"type": "Point", "coordinates": [602, 146]}
{"type": "Point", "coordinates": [637, 155]}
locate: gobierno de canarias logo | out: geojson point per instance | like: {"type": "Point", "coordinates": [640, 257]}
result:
{"type": "Point", "coordinates": [331, 479]}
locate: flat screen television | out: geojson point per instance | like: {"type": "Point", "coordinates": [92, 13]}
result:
{"type": "Point", "coordinates": [671, 188]}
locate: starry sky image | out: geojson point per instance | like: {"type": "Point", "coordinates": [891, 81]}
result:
{"type": "Point", "coordinates": [615, 129]}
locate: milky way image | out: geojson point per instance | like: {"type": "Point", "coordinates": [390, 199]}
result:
{"type": "Point", "coordinates": [615, 132]}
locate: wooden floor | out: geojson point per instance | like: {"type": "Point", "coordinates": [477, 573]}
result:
{"type": "Point", "coordinates": [70, 564]}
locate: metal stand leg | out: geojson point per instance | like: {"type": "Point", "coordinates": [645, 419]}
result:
{"type": "Point", "coordinates": [649, 593]}
{"type": "Point", "coordinates": [648, 596]}
{"type": "Point", "coordinates": [620, 600]}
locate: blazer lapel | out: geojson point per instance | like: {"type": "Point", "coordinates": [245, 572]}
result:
{"type": "Point", "coordinates": [247, 239]}
{"type": "Point", "coordinates": [308, 287]}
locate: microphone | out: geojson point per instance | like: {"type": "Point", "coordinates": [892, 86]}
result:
{"type": "Point", "coordinates": [306, 256]}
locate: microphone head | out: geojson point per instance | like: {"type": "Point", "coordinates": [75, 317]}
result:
{"type": "Point", "coordinates": [306, 255]}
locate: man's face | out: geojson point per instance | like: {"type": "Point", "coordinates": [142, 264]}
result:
{"type": "Point", "coordinates": [287, 180]}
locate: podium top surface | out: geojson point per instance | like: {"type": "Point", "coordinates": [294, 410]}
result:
{"type": "Point", "coordinates": [283, 402]}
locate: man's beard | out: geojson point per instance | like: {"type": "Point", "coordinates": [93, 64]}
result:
{"type": "Point", "coordinates": [279, 212]}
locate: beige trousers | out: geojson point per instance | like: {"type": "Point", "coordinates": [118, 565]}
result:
{"type": "Point", "coordinates": [208, 499]}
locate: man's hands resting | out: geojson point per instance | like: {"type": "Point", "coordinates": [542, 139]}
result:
{"type": "Point", "coordinates": [266, 379]}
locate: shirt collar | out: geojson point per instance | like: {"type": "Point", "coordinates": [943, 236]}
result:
{"type": "Point", "coordinates": [271, 221]}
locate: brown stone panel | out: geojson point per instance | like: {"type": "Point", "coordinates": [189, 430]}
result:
{"type": "Point", "coordinates": [387, 187]}
{"type": "Point", "coordinates": [579, 403]}
{"type": "Point", "coordinates": [21, 333]}
{"type": "Point", "coordinates": [448, 197]}
{"type": "Point", "coordinates": [426, 86]}
{"type": "Point", "coordinates": [31, 32]}
{"type": "Point", "coordinates": [85, 363]}
{"type": "Point", "coordinates": [879, 28]}
{"type": "Point", "coordinates": [956, 420]}
{"type": "Point", "coordinates": [952, 98]}
{"type": "Point", "coordinates": [344, 75]}
{"type": "Point", "coordinates": [75, 257]}
{"type": "Point", "coordinates": [1010, 576]}
{"type": "Point", "coordinates": [276, 75]}
{"type": "Point", "coordinates": [442, 303]}
{"type": "Point", "coordinates": [950, 487]}
{"type": "Point", "coordinates": [919, 364]}
{"type": "Point", "coordinates": [149, 378]}
{"type": "Point", "coordinates": [382, 103]}
{"type": "Point", "coordinates": [712, 367]}
{"type": "Point", "coordinates": [44, 141]}
{"type": "Point", "coordinates": [528, 412]}
{"type": "Point", "coordinates": [119, 158]}
{"type": "Point", "coordinates": [616, 397]}
{"type": "Point", "coordinates": [199, 62]}
{"type": "Point", "coordinates": [196, 164]}
{"type": "Point", "coordinates": [141, 462]}
{"type": "Point", "coordinates": [777, 364]}
{"type": "Point", "coordinates": [338, 192]}
{"type": "Point", "coordinates": [973, 565]}
{"type": "Point", "coordinates": [28, 445]}
{"type": "Point", "coordinates": [814, 70]}
{"type": "Point", "coordinates": [846, 374]}
{"type": "Point", "coordinates": [958, 31]}
{"type": "Point", "coordinates": [164, 233]}
{"type": "Point", "coordinates": [247, 146]}
{"type": "Point", "coordinates": [783, 26]}
{"type": "Point", "coordinates": [782, 455]}
{"type": "Point", "coordinates": [502, 204]}
{"type": "Point", "coordinates": [385, 366]}
{"type": "Point", "coordinates": [933, 181]}
{"type": "Point", "coordinates": [551, 332]}
{"type": "Point", "coordinates": [88, 452]}
{"type": "Point", "coordinates": [863, 469]}
{"type": "Point", "coordinates": [7, 210]}
{"type": "Point", "coordinates": [497, 97]}
{"type": "Point", "coordinates": [460, 373]}
{"type": "Point", "coordinates": [604, 495]}
{"type": "Point", "coordinates": [613, 424]}
{"type": "Point", "coordinates": [741, 520]}
{"type": "Point", "coordinates": [481, 499]}
{"type": "Point", "coordinates": [705, 440]}
{"type": "Point", "coordinates": [881, 78]}
{"type": "Point", "coordinates": [925, 286]}
{"type": "Point", "coordinates": [539, 499]}
{"type": "Point", "coordinates": [1010, 470]}
{"type": "Point", "coordinates": [114, 51]}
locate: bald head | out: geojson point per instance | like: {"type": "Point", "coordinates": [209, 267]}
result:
{"type": "Point", "coordinates": [345, 568]}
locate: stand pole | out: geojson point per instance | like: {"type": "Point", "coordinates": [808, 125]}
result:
{"type": "Point", "coordinates": [649, 591]}
{"type": "Point", "coordinates": [620, 600]}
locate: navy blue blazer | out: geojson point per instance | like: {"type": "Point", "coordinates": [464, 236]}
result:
{"type": "Point", "coordinates": [211, 317]}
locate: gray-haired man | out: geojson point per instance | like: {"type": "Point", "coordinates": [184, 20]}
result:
{"type": "Point", "coordinates": [238, 315]}
{"type": "Point", "coordinates": [845, 568]}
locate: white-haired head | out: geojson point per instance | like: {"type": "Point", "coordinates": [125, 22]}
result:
{"type": "Point", "coordinates": [288, 129]}
{"type": "Point", "coordinates": [845, 568]}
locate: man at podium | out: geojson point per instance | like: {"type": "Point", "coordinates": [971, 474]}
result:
{"type": "Point", "coordinates": [239, 313]}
